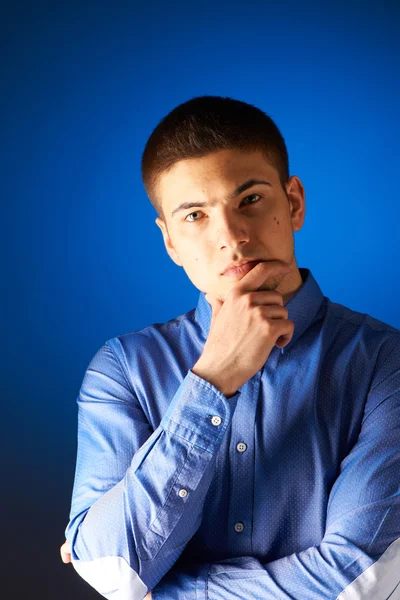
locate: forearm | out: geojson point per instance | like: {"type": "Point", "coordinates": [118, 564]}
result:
{"type": "Point", "coordinates": [143, 521]}
{"type": "Point", "coordinates": [137, 529]}
{"type": "Point", "coordinates": [358, 557]}
{"type": "Point", "coordinates": [333, 570]}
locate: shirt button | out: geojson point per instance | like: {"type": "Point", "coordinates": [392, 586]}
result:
{"type": "Point", "coordinates": [216, 421]}
{"type": "Point", "coordinates": [239, 527]}
{"type": "Point", "coordinates": [241, 447]}
{"type": "Point", "coordinates": [182, 493]}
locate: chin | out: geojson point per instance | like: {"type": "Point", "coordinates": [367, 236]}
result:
{"type": "Point", "coordinates": [270, 285]}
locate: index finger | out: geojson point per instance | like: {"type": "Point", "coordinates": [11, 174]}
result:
{"type": "Point", "coordinates": [258, 274]}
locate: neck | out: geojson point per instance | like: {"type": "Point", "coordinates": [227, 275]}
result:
{"type": "Point", "coordinates": [290, 284]}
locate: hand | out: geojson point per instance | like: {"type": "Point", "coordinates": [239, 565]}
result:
{"type": "Point", "coordinates": [65, 552]}
{"type": "Point", "coordinates": [244, 329]}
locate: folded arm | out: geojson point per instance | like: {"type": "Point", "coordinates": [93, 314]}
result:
{"type": "Point", "coordinates": [138, 494]}
{"type": "Point", "coordinates": [359, 556]}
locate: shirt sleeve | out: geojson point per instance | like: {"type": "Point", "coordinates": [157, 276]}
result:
{"type": "Point", "coordinates": [359, 555]}
{"type": "Point", "coordinates": [138, 494]}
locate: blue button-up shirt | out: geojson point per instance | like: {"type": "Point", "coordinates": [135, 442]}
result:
{"type": "Point", "coordinates": [287, 490]}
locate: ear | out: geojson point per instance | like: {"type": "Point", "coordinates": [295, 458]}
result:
{"type": "Point", "coordinates": [296, 194]}
{"type": "Point", "coordinates": [168, 242]}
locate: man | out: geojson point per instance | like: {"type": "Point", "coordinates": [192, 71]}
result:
{"type": "Point", "coordinates": [250, 447]}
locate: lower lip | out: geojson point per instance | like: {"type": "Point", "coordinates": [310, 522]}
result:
{"type": "Point", "coordinates": [242, 270]}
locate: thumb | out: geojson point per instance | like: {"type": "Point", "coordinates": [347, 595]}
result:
{"type": "Point", "coordinates": [215, 304]}
{"type": "Point", "coordinates": [65, 552]}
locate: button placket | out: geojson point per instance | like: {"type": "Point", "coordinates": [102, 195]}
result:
{"type": "Point", "coordinates": [239, 527]}
{"type": "Point", "coordinates": [242, 468]}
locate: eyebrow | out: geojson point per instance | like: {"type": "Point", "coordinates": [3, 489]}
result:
{"type": "Point", "coordinates": [239, 190]}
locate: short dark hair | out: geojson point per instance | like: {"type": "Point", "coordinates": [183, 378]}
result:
{"type": "Point", "coordinates": [207, 124]}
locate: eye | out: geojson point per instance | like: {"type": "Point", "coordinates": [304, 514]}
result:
{"type": "Point", "coordinates": [254, 197]}
{"type": "Point", "coordinates": [196, 212]}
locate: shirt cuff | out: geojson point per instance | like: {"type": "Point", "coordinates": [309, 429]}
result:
{"type": "Point", "coordinates": [199, 412]}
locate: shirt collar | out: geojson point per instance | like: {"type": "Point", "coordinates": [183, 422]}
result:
{"type": "Point", "coordinates": [302, 307]}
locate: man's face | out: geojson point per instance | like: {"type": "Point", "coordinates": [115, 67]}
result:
{"type": "Point", "coordinates": [210, 222]}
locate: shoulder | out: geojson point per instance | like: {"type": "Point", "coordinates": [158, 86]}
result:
{"type": "Point", "coordinates": [366, 334]}
{"type": "Point", "coordinates": [358, 319]}
{"type": "Point", "coordinates": [151, 335]}
{"type": "Point", "coordinates": [138, 356]}
{"type": "Point", "coordinates": [153, 346]}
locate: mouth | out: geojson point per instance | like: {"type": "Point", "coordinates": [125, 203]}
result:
{"type": "Point", "coordinates": [240, 270]}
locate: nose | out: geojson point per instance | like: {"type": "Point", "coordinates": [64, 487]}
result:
{"type": "Point", "coordinates": [231, 230]}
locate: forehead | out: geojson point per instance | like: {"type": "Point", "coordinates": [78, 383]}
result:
{"type": "Point", "coordinates": [213, 175]}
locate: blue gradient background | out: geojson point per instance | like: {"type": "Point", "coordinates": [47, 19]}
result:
{"type": "Point", "coordinates": [83, 85]}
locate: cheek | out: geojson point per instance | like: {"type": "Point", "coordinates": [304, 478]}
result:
{"type": "Point", "coordinates": [195, 251]}
{"type": "Point", "coordinates": [198, 267]}
{"type": "Point", "coordinates": [280, 217]}
{"type": "Point", "coordinates": [282, 224]}
{"type": "Point", "coordinates": [193, 264]}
